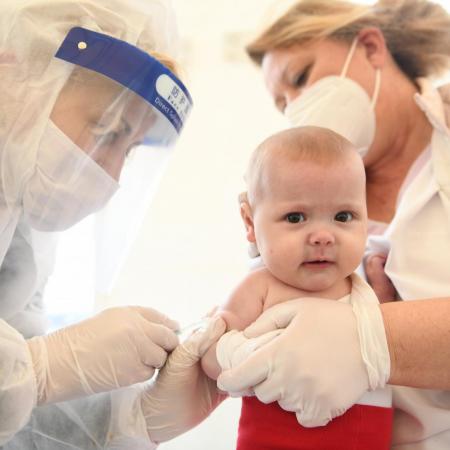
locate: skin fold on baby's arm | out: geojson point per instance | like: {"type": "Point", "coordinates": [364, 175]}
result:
{"type": "Point", "coordinates": [243, 307]}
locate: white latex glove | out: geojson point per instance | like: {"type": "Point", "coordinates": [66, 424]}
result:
{"type": "Point", "coordinates": [318, 367]}
{"type": "Point", "coordinates": [118, 347]}
{"type": "Point", "coordinates": [233, 348]}
{"type": "Point", "coordinates": [182, 395]}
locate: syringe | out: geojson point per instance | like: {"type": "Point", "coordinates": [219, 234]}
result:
{"type": "Point", "coordinates": [187, 330]}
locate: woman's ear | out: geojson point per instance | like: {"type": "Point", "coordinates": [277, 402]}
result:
{"type": "Point", "coordinates": [375, 46]}
{"type": "Point", "coordinates": [247, 217]}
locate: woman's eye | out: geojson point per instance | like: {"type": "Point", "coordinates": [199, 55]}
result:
{"type": "Point", "coordinates": [302, 77]}
{"type": "Point", "coordinates": [107, 138]}
{"type": "Point", "coordinates": [343, 216]}
{"type": "Point", "coordinates": [295, 217]}
{"type": "Point", "coordinates": [107, 131]}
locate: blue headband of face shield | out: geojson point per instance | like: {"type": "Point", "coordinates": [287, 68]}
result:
{"type": "Point", "coordinates": [135, 70]}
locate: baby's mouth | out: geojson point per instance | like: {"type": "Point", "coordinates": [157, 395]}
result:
{"type": "Point", "coordinates": [318, 263]}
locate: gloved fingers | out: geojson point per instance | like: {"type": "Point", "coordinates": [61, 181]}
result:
{"type": "Point", "coordinates": [276, 317]}
{"type": "Point", "coordinates": [268, 391]}
{"type": "Point", "coordinates": [152, 315]}
{"type": "Point", "coordinates": [145, 372]}
{"type": "Point", "coordinates": [311, 422]}
{"type": "Point", "coordinates": [161, 335]}
{"type": "Point", "coordinates": [212, 311]}
{"type": "Point", "coordinates": [199, 342]}
{"type": "Point", "coordinates": [153, 355]}
{"type": "Point", "coordinates": [290, 404]}
{"type": "Point", "coordinates": [234, 348]}
{"type": "Point", "coordinates": [246, 393]}
{"type": "Point", "coordinates": [254, 370]}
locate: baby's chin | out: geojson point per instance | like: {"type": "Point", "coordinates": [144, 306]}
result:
{"type": "Point", "coordinates": [321, 286]}
{"type": "Point", "coordinates": [315, 289]}
{"type": "Point", "coordinates": [312, 287]}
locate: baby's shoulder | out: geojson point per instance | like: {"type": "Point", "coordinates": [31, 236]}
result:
{"type": "Point", "coordinates": [261, 279]}
{"type": "Point", "coordinates": [259, 274]}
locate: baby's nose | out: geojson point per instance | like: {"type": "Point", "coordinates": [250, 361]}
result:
{"type": "Point", "coordinates": [321, 237]}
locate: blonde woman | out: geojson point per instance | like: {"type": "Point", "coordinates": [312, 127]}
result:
{"type": "Point", "coordinates": [366, 72]}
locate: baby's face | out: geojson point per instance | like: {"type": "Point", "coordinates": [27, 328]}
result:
{"type": "Point", "coordinates": [310, 222]}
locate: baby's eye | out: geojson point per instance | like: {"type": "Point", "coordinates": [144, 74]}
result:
{"type": "Point", "coordinates": [295, 217]}
{"type": "Point", "coordinates": [343, 216]}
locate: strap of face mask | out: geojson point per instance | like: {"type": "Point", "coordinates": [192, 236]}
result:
{"type": "Point", "coordinates": [349, 58]}
{"type": "Point", "coordinates": [376, 89]}
{"type": "Point", "coordinates": [344, 71]}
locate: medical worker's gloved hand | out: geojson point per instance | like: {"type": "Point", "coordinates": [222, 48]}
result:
{"type": "Point", "coordinates": [182, 395]}
{"type": "Point", "coordinates": [118, 347]}
{"type": "Point", "coordinates": [328, 356]}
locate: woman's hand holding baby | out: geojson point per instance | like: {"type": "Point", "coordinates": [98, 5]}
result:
{"type": "Point", "coordinates": [377, 278]}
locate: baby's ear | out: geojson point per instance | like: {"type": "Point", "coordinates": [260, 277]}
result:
{"type": "Point", "coordinates": [247, 217]}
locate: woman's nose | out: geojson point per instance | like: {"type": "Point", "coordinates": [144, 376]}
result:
{"type": "Point", "coordinates": [321, 238]}
{"type": "Point", "coordinates": [290, 95]}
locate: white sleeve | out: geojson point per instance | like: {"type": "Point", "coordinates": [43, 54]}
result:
{"type": "Point", "coordinates": [106, 421]}
{"type": "Point", "coordinates": [17, 382]}
{"type": "Point", "coordinates": [378, 244]}
{"type": "Point", "coordinates": [375, 244]}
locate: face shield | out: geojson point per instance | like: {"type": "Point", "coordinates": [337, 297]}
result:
{"type": "Point", "coordinates": [117, 105]}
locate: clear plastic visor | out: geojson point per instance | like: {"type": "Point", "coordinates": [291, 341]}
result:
{"type": "Point", "coordinates": [116, 101]}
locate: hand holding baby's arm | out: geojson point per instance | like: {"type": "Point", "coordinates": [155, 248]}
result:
{"type": "Point", "coordinates": [242, 308]}
{"type": "Point", "coordinates": [376, 276]}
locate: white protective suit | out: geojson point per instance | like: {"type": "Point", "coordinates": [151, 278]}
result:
{"type": "Point", "coordinates": [32, 76]}
{"type": "Point", "coordinates": [418, 264]}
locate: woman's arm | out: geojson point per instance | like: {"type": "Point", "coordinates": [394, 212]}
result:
{"type": "Point", "coordinates": [418, 336]}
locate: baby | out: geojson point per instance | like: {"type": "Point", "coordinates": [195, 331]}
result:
{"type": "Point", "coordinates": [305, 210]}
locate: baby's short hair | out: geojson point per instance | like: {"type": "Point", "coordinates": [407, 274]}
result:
{"type": "Point", "coordinates": [318, 145]}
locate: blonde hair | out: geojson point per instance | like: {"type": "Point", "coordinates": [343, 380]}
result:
{"type": "Point", "coordinates": [417, 32]}
{"type": "Point", "coordinates": [168, 62]}
{"type": "Point", "coordinates": [317, 145]}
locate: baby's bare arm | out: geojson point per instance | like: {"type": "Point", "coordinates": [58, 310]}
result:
{"type": "Point", "coordinates": [242, 308]}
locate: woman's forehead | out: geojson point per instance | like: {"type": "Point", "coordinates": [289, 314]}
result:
{"type": "Point", "coordinates": [280, 58]}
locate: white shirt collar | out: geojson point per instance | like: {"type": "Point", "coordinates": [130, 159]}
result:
{"type": "Point", "coordinates": [430, 102]}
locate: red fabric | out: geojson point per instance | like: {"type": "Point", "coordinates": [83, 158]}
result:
{"type": "Point", "coordinates": [268, 427]}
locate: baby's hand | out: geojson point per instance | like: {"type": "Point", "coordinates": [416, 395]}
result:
{"type": "Point", "coordinates": [377, 278]}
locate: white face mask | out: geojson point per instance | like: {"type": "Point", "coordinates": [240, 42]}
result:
{"type": "Point", "coordinates": [340, 104]}
{"type": "Point", "coordinates": [66, 186]}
